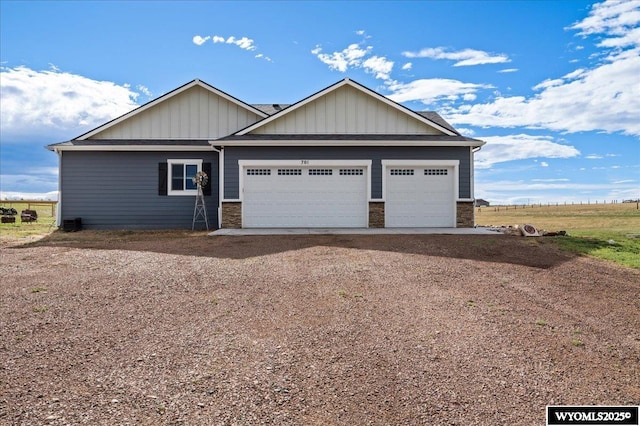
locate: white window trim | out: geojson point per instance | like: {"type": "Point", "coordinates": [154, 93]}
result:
{"type": "Point", "coordinates": [171, 162]}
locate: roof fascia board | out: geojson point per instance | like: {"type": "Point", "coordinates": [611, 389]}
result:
{"type": "Point", "coordinates": [166, 96]}
{"type": "Point", "coordinates": [105, 148]}
{"type": "Point", "coordinates": [336, 86]}
{"type": "Point", "coordinates": [346, 143]}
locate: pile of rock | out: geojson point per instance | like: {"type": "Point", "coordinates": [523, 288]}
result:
{"type": "Point", "coordinates": [526, 230]}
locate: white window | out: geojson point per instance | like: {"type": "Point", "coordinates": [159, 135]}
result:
{"type": "Point", "coordinates": [402, 172]}
{"type": "Point", "coordinates": [181, 173]}
{"type": "Point", "coordinates": [320, 172]}
{"type": "Point", "coordinates": [258, 172]}
{"type": "Point", "coordinates": [290, 172]}
{"type": "Point", "coordinates": [436, 172]}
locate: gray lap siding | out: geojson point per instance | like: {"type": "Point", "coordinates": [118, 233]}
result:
{"type": "Point", "coordinates": [119, 190]}
{"type": "Point", "coordinates": [376, 154]}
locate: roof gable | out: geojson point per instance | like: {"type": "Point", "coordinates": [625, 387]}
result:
{"type": "Point", "coordinates": [193, 111]}
{"type": "Point", "coordinates": [347, 107]}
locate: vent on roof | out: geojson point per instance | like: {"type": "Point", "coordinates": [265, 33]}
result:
{"type": "Point", "coordinates": [277, 107]}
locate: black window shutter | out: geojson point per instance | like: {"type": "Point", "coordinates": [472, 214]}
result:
{"type": "Point", "coordinates": [163, 171]}
{"type": "Point", "coordinates": [206, 167]}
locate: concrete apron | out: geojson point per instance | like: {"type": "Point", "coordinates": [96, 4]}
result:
{"type": "Point", "coordinates": [354, 231]}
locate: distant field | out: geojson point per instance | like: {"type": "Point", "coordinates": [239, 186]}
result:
{"type": "Point", "coordinates": [608, 231]}
{"type": "Point", "coordinates": [46, 220]}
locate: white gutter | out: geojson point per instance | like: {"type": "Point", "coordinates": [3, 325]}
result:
{"type": "Point", "coordinates": [328, 142]}
{"type": "Point", "coordinates": [220, 181]}
{"type": "Point", "coordinates": [131, 148]}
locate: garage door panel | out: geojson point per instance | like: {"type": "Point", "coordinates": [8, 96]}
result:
{"type": "Point", "coordinates": [317, 197]}
{"type": "Point", "coordinates": [419, 197]}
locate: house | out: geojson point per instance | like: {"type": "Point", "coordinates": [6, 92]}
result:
{"type": "Point", "coordinates": [345, 156]}
{"type": "Point", "coordinates": [481, 203]}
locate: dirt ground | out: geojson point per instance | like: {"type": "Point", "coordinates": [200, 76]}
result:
{"type": "Point", "coordinates": [311, 330]}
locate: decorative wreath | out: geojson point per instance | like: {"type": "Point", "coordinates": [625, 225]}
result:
{"type": "Point", "coordinates": [200, 179]}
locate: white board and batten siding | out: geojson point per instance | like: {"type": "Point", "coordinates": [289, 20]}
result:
{"type": "Point", "coordinates": [196, 113]}
{"type": "Point", "coordinates": [311, 194]}
{"type": "Point", "coordinates": [346, 110]}
{"type": "Point", "coordinates": [420, 193]}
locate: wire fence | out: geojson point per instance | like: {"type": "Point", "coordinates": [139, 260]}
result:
{"type": "Point", "coordinates": [500, 207]}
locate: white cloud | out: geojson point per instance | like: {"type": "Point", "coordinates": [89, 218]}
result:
{"type": "Point", "coordinates": [500, 149]}
{"type": "Point", "coordinates": [593, 157]}
{"type": "Point", "coordinates": [198, 40]}
{"type": "Point", "coordinates": [432, 90]}
{"type": "Point", "coordinates": [600, 98]}
{"type": "Point", "coordinates": [245, 43]}
{"type": "Point", "coordinates": [34, 196]}
{"type": "Point", "coordinates": [144, 90]}
{"type": "Point", "coordinates": [407, 66]}
{"type": "Point", "coordinates": [508, 70]}
{"type": "Point", "coordinates": [522, 186]}
{"type": "Point", "coordinates": [27, 182]}
{"type": "Point", "coordinates": [550, 180]}
{"type": "Point", "coordinates": [612, 17]}
{"type": "Point", "coordinates": [59, 103]}
{"type": "Point", "coordinates": [544, 164]}
{"type": "Point", "coordinates": [466, 132]}
{"type": "Point", "coordinates": [360, 32]}
{"type": "Point", "coordinates": [466, 57]}
{"type": "Point", "coordinates": [379, 66]}
{"type": "Point", "coordinates": [351, 56]}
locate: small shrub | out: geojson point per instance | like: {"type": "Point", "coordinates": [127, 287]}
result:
{"type": "Point", "coordinates": [577, 342]}
{"type": "Point", "coordinates": [38, 289]}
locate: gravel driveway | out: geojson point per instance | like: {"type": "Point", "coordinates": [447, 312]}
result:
{"type": "Point", "coordinates": [311, 330]}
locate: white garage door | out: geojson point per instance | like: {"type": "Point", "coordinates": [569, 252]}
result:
{"type": "Point", "coordinates": [304, 197]}
{"type": "Point", "coordinates": [419, 197]}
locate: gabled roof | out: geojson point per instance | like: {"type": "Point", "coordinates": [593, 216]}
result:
{"type": "Point", "coordinates": [169, 95]}
{"type": "Point", "coordinates": [423, 118]}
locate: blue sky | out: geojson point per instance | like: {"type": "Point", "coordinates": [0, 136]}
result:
{"type": "Point", "coordinates": [553, 87]}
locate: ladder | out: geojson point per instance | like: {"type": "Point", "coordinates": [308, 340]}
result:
{"type": "Point", "coordinates": [200, 210]}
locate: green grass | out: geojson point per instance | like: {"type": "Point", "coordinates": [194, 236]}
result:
{"type": "Point", "coordinates": [606, 231]}
{"type": "Point", "coordinates": [19, 230]}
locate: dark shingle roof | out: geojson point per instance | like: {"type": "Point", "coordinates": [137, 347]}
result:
{"type": "Point", "coordinates": [436, 118]}
{"type": "Point", "coordinates": [270, 108]}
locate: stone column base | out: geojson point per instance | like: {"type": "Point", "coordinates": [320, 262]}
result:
{"type": "Point", "coordinates": [231, 215]}
{"type": "Point", "coordinates": [376, 215]}
{"type": "Point", "coordinates": [465, 214]}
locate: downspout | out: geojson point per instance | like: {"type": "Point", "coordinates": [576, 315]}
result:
{"type": "Point", "coordinates": [220, 181]}
{"type": "Point", "coordinates": [473, 182]}
{"type": "Point", "coordinates": [59, 206]}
